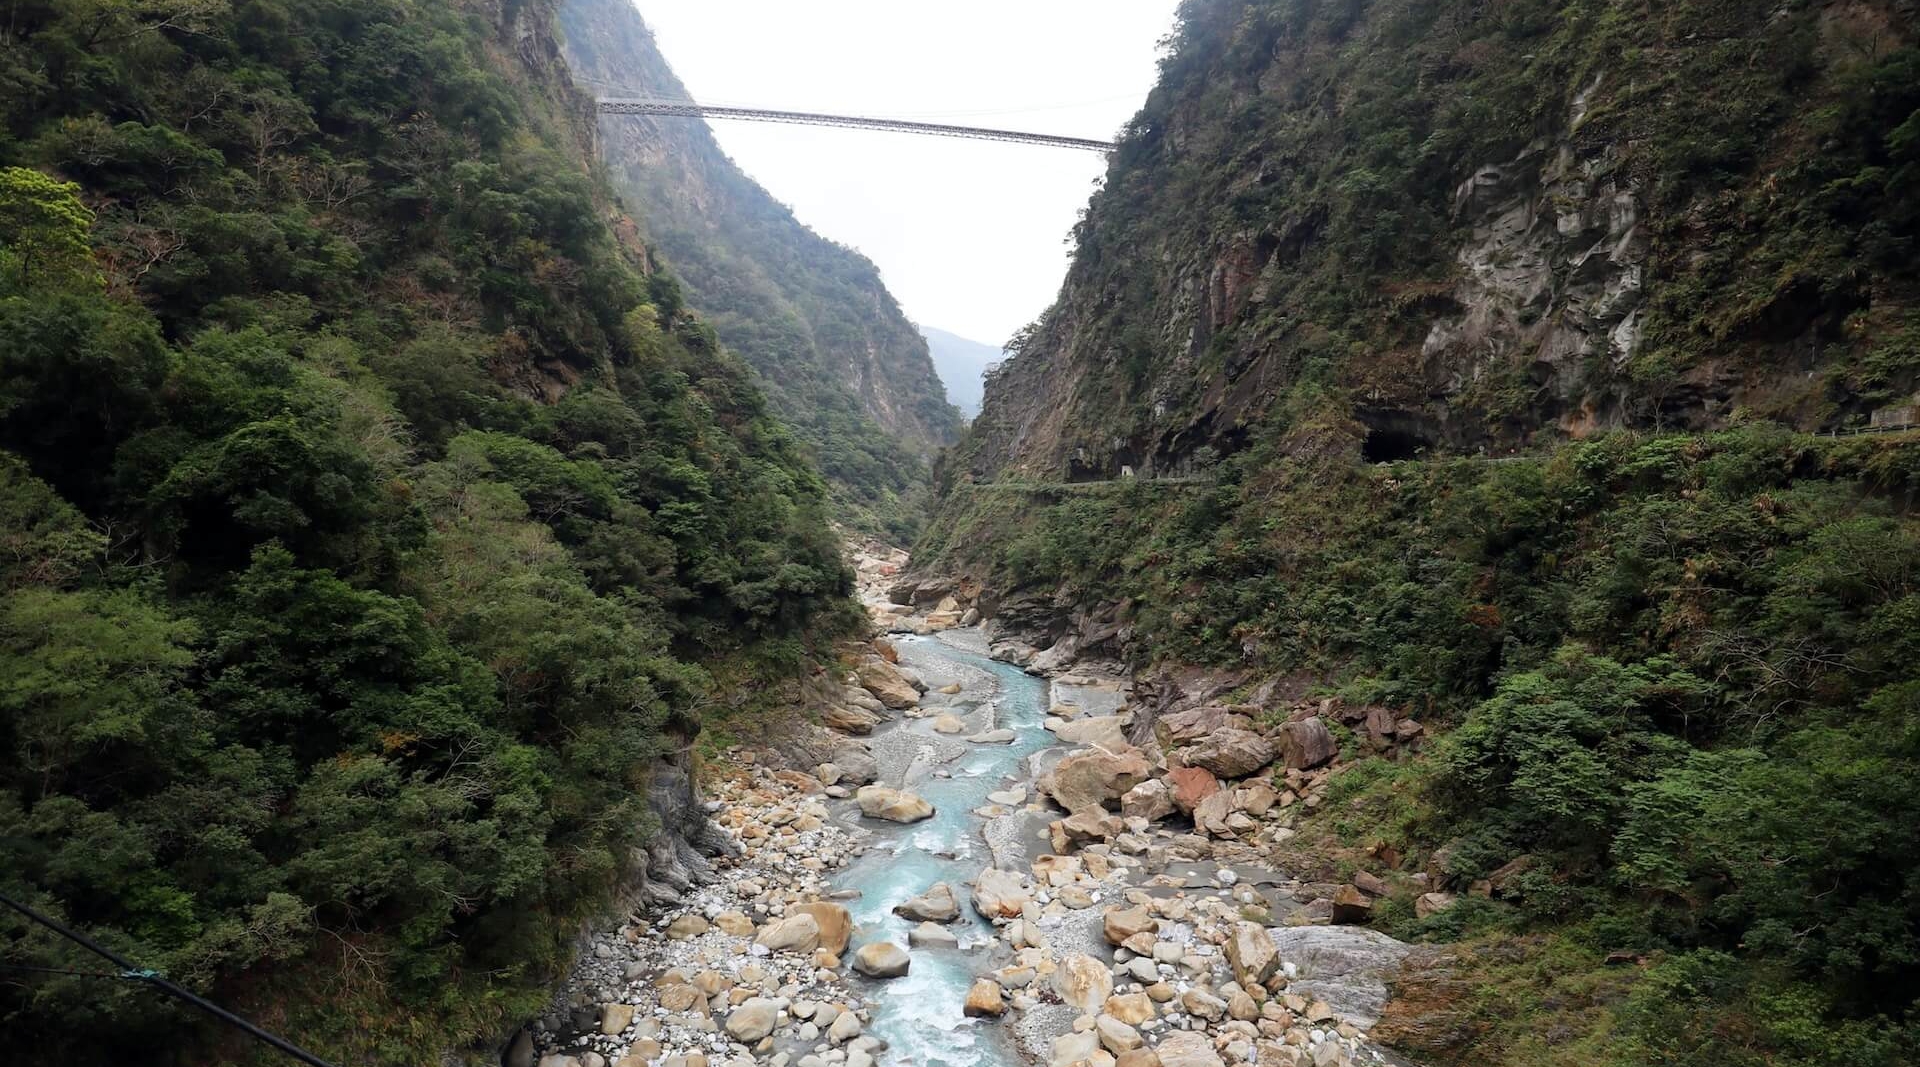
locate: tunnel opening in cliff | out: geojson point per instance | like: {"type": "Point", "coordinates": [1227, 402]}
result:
{"type": "Point", "coordinates": [1390, 446]}
{"type": "Point", "coordinates": [1394, 435]}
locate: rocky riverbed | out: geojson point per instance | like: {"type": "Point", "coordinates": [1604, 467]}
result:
{"type": "Point", "coordinates": [991, 868]}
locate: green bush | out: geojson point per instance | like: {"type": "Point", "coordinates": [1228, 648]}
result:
{"type": "Point", "coordinates": [1677, 672]}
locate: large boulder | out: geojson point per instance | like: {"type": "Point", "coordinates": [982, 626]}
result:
{"type": "Point", "coordinates": [793, 933]}
{"type": "Point", "coordinates": [1195, 724]}
{"type": "Point", "coordinates": [836, 926]}
{"type": "Point", "coordinates": [1256, 799]}
{"type": "Point", "coordinates": [1096, 777]}
{"type": "Point", "coordinates": [849, 720]}
{"type": "Point", "coordinates": [1351, 907]}
{"type": "Point", "coordinates": [1210, 815]}
{"type": "Point", "coordinates": [999, 894]}
{"type": "Point", "coordinates": [1150, 800]}
{"type": "Point", "coordinates": [1188, 786]}
{"type": "Point", "coordinates": [1083, 983]}
{"type": "Point", "coordinates": [932, 935]}
{"type": "Point", "coordinates": [753, 1020]}
{"type": "Point", "coordinates": [844, 1028]}
{"type": "Point", "coordinates": [1348, 967]}
{"type": "Point", "coordinates": [615, 1018]}
{"type": "Point", "coordinates": [1132, 1008]}
{"type": "Point", "coordinates": [1071, 1049]}
{"type": "Point", "coordinates": [1115, 1036]}
{"type": "Point", "coordinates": [985, 1000]}
{"type": "Point", "coordinates": [855, 696]}
{"type": "Point", "coordinates": [687, 926]}
{"type": "Point", "coordinates": [1103, 731]}
{"type": "Point", "coordinates": [1082, 827]}
{"type": "Point", "coordinates": [893, 805]}
{"type": "Point", "coordinates": [1231, 753]}
{"type": "Point", "coordinates": [881, 959]}
{"type": "Point", "coordinates": [1119, 924]}
{"type": "Point", "coordinates": [937, 904]}
{"type": "Point", "coordinates": [1429, 904]}
{"type": "Point", "coordinates": [1188, 1048]}
{"type": "Point", "coordinates": [886, 683]}
{"type": "Point", "coordinates": [1307, 744]}
{"type": "Point", "coordinates": [856, 764]}
{"type": "Point", "coordinates": [1252, 953]}
{"type": "Point", "coordinates": [1380, 725]}
{"type": "Point", "coordinates": [1057, 658]}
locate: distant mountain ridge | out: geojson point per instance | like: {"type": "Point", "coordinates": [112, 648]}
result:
{"type": "Point", "coordinates": [841, 362]}
{"type": "Point", "coordinates": [962, 363]}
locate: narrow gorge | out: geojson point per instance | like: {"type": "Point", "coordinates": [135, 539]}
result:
{"type": "Point", "coordinates": [982, 870]}
{"type": "Point", "coordinates": [484, 584]}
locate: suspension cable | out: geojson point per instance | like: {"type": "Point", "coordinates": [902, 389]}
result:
{"type": "Point", "coordinates": [133, 972]}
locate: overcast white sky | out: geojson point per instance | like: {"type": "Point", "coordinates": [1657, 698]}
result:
{"type": "Point", "coordinates": [969, 235]}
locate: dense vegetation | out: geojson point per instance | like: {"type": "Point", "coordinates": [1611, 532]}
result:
{"type": "Point", "coordinates": [1288, 208]}
{"type": "Point", "coordinates": [1673, 678]}
{"type": "Point", "coordinates": [369, 512]}
{"type": "Point", "coordinates": [840, 362]}
{"type": "Point", "coordinates": [1680, 672]}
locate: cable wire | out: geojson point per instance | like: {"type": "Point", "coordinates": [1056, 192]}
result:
{"type": "Point", "coordinates": [134, 972]}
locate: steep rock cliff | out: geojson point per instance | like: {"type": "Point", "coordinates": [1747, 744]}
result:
{"type": "Point", "coordinates": [841, 362]}
{"type": "Point", "coordinates": [1464, 226]}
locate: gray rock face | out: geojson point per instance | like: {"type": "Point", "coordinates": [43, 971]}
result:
{"type": "Point", "coordinates": [1345, 966]}
{"type": "Point", "coordinates": [675, 860]}
{"type": "Point", "coordinates": [1551, 267]}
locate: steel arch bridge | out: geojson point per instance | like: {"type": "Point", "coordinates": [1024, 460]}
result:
{"type": "Point", "coordinates": [688, 109]}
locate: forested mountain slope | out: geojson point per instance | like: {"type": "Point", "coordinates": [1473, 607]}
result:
{"type": "Point", "coordinates": [1663, 660]}
{"type": "Point", "coordinates": [373, 512]}
{"type": "Point", "coordinates": [842, 363]}
{"type": "Point", "coordinates": [1461, 225]}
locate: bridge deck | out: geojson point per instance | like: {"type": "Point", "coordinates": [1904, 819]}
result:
{"type": "Point", "coordinates": [688, 109]}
